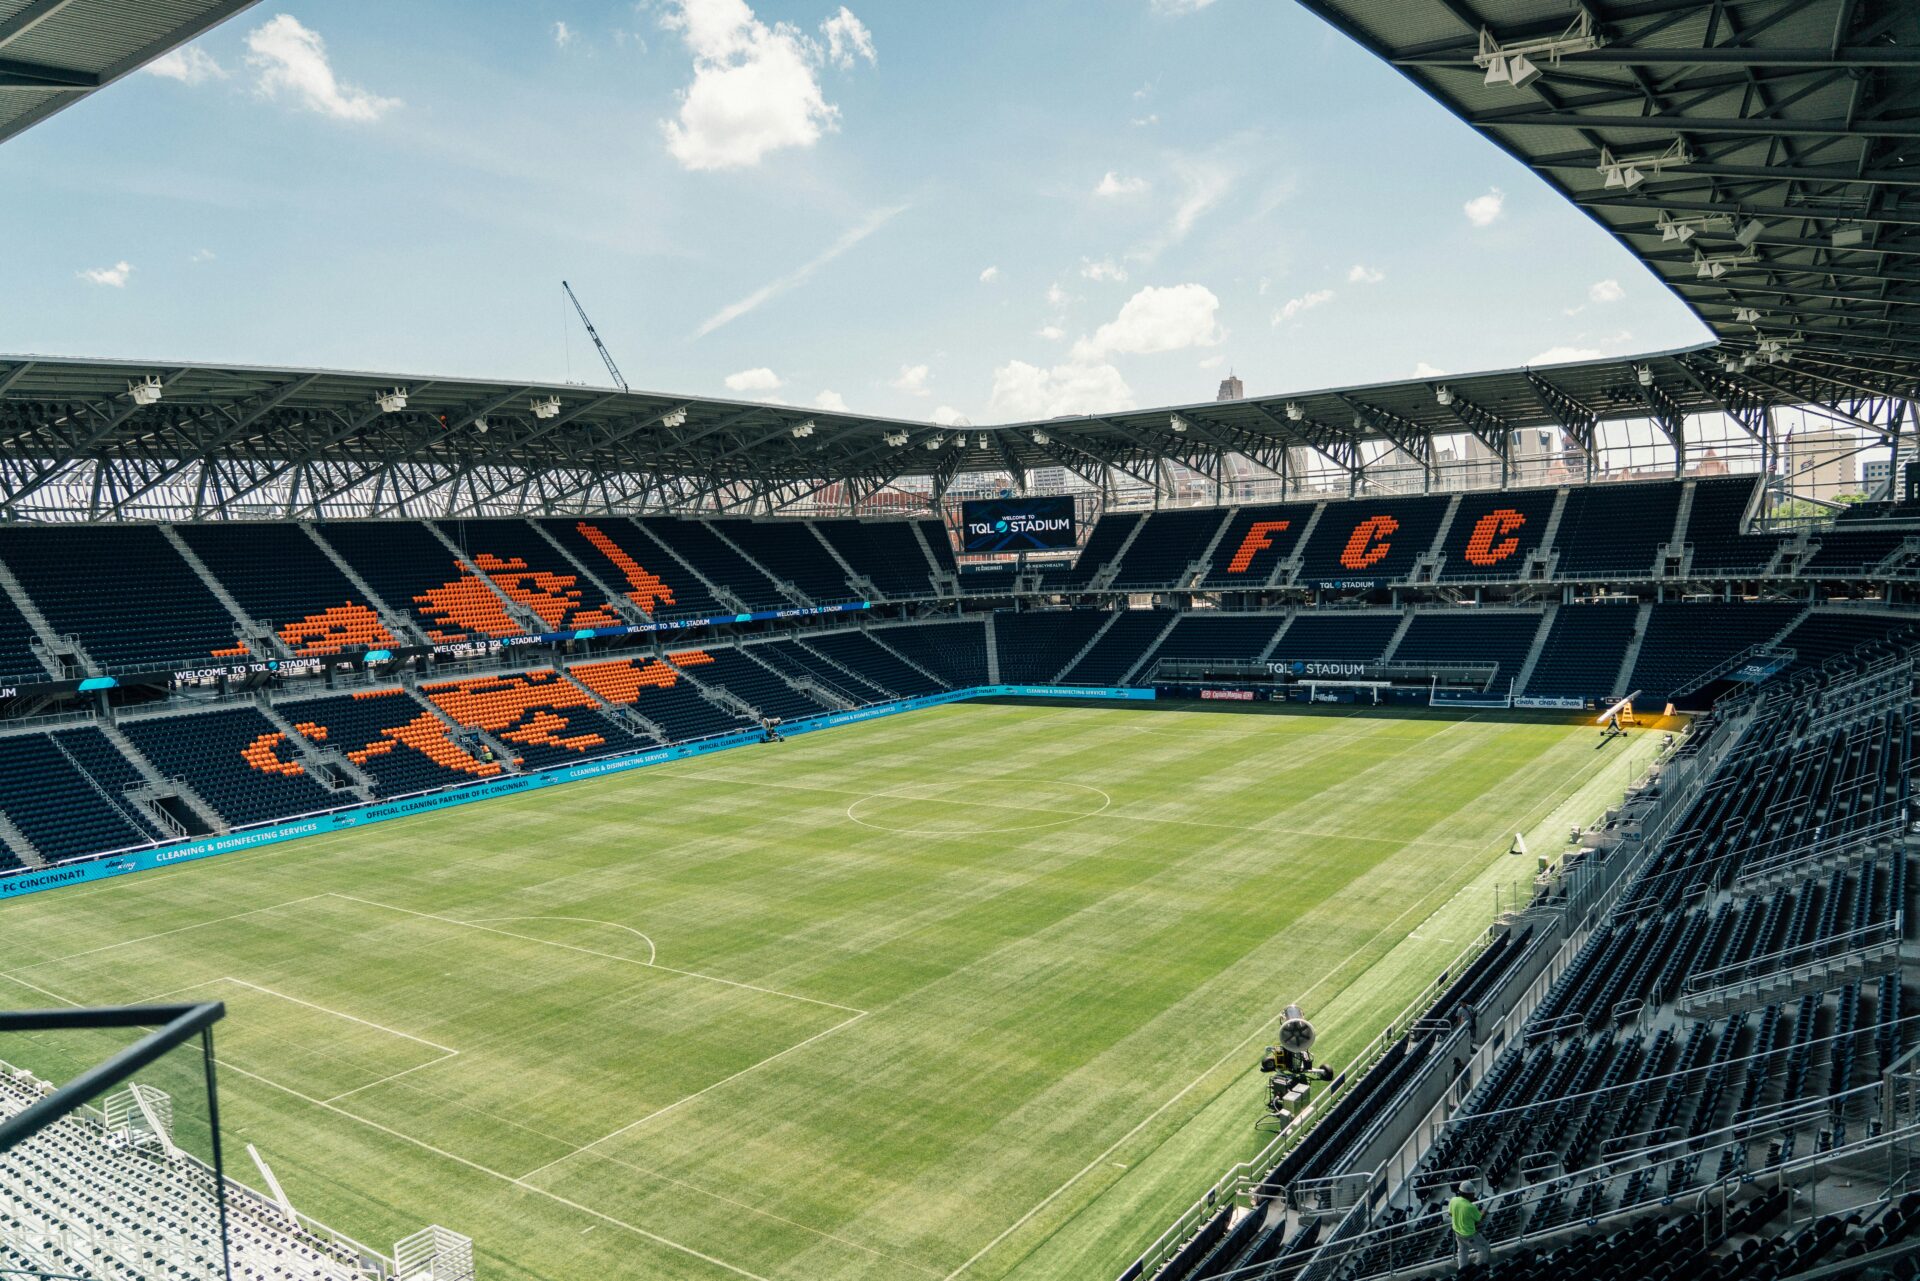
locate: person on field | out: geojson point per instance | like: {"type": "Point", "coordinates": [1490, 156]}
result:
{"type": "Point", "coordinates": [1468, 1244]}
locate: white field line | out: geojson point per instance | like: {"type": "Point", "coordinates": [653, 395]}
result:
{"type": "Point", "coordinates": [378, 1027]}
{"type": "Point", "coordinates": [147, 938]}
{"type": "Point", "coordinates": [605, 956]}
{"type": "Point", "coordinates": [652, 951]}
{"type": "Point", "coordinates": [677, 1103]}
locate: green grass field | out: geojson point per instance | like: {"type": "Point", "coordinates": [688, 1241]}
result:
{"type": "Point", "coordinates": [972, 992]}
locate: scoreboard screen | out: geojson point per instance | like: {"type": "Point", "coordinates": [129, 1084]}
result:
{"type": "Point", "coordinates": [1016, 524]}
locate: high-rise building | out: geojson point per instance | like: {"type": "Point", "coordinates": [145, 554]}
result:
{"type": "Point", "coordinates": [1231, 388]}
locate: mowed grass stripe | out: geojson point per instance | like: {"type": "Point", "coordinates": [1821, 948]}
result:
{"type": "Point", "coordinates": [1035, 999]}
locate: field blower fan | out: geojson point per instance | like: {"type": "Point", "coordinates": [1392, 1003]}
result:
{"type": "Point", "coordinates": [1290, 1065]}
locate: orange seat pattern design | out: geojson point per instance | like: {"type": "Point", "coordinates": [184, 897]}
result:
{"type": "Point", "coordinates": [264, 755]}
{"type": "Point", "coordinates": [468, 604]}
{"type": "Point", "coordinates": [1259, 538]}
{"type": "Point", "coordinates": [237, 651]}
{"type": "Point", "coordinates": [520, 709]}
{"type": "Point", "coordinates": [338, 627]}
{"type": "Point", "coordinates": [645, 589]}
{"type": "Point", "coordinates": [622, 680]}
{"type": "Point", "coordinates": [425, 733]}
{"type": "Point", "coordinates": [551, 596]}
{"type": "Point", "coordinates": [1369, 542]}
{"type": "Point", "coordinates": [1499, 523]}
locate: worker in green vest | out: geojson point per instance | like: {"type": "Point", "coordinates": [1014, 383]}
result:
{"type": "Point", "coordinates": [1468, 1244]}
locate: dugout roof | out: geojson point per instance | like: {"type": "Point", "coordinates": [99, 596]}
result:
{"type": "Point", "coordinates": [55, 52]}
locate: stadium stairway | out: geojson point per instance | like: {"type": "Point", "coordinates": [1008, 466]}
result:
{"type": "Point", "coordinates": [19, 851]}
{"type": "Point", "coordinates": [159, 783]}
{"type": "Point", "coordinates": [28, 644]}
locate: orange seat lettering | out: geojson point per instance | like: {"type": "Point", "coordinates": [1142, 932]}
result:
{"type": "Point", "coordinates": [1369, 542]}
{"type": "Point", "coordinates": [1498, 523]}
{"type": "Point", "coordinates": [1259, 538]}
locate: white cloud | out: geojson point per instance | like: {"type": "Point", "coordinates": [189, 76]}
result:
{"type": "Point", "coordinates": [562, 34]}
{"type": "Point", "coordinates": [1213, 362]}
{"type": "Point", "coordinates": [1563, 355]}
{"type": "Point", "coordinates": [292, 58]}
{"type": "Point", "coordinates": [1484, 211]}
{"type": "Point", "coordinates": [847, 39]}
{"type": "Point", "coordinates": [1052, 333]}
{"type": "Point", "coordinates": [1158, 318]}
{"type": "Point", "coordinates": [848, 239]}
{"type": "Point", "coordinates": [831, 401]}
{"type": "Point", "coordinates": [948, 416]}
{"type": "Point", "coordinates": [1023, 391]}
{"type": "Point", "coordinates": [1606, 291]}
{"type": "Point", "coordinates": [1361, 274]}
{"type": "Point", "coordinates": [760, 379]}
{"type": "Point", "coordinates": [912, 380]}
{"type": "Point", "coordinates": [190, 66]}
{"type": "Point", "coordinates": [1305, 302]}
{"type": "Point", "coordinates": [755, 88]}
{"type": "Point", "coordinates": [1114, 185]}
{"type": "Point", "coordinates": [1141, 122]}
{"type": "Point", "coordinates": [201, 255]}
{"type": "Point", "coordinates": [1207, 186]}
{"type": "Point", "coordinates": [1105, 269]}
{"type": "Point", "coordinates": [114, 276]}
{"type": "Point", "coordinates": [990, 275]}
{"type": "Point", "coordinates": [1424, 370]}
{"type": "Point", "coordinates": [1180, 6]}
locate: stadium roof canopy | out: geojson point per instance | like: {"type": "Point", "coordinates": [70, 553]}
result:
{"type": "Point", "coordinates": [1761, 156]}
{"type": "Point", "coordinates": [55, 52]}
{"type": "Point", "coordinates": [100, 439]}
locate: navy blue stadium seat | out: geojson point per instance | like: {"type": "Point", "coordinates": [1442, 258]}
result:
{"type": "Point", "coordinates": [792, 553]}
{"type": "Point", "coordinates": [1337, 636]}
{"type": "Point", "coordinates": [955, 652]}
{"type": "Point", "coordinates": [1616, 530]}
{"type": "Point", "coordinates": [1035, 644]}
{"type": "Point", "coordinates": [1230, 638]}
{"type": "Point", "coordinates": [1583, 651]}
{"type": "Point", "coordinates": [232, 759]}
{"type": "Point", "coordinates": [16, 646]}
{"type": "Point", "coordinates": [1492, 534]}
{"type": "Point", "coordinates": [277, 574]}
{"type": "Point", "coordinates": [1109, 533]}
{"type": "Point", "coordinates": [1168, 543]}
{"type": "Point", "coordinates": [1256, 540]}
{"type": "Point", "coordinates": [1502, 639]}
{"type": "Point", "coordinates": [1685, 641]}
{"type": "Point", "coordinates": [866, 655]}
{"type": "Point", "coordinates": [885, 552]}
{"type": "Point", "coordinates": [1714, 528]}
{"type": "Point", "coordinates": [1118, 649]}
{"type": "Point", "coordinates": [1371, 539]}
{"type": "Point", "coordinates": [761, 688]}
{"type": "Point", "coordinates": [65, 792]}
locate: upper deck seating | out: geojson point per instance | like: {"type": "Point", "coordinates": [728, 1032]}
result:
{"type": "Point", "coordinates": [1493, 533]}
{"type": "Point", "coordinates": [1337, 636]}
{"type": "Point", "coordinates": [634, 565]}
{"type": "Point", "coordinates": [124, 591]}
{"type": "Point", "coordinates": [1256, 540]}
{"type": "Point", "coordinates": [65, 792]}
{"type": "Point", "coordinates": [1035, 644]}
{"type": "Point", "coordinates": [532, 573]}
{"type": "Point", "coordinates": [1583, 651]}
{"type": "Point", "coordinates": [1102, 545]}
{"type": "Point", "coordinates": [277, 574]}
{"type": "Point", "coordinates": [237, 760]}
{"type": "Point", "coordinates": [16, 645]}
{"type": "Point", "coordinates": [1713, 528]}
{"type": "Point", "coordinates": [716, 560]}
{"type": "Point", "coordinates": [415, 573]}
{"type": "Point", "coordinates": [1471, 637]}
{"type": "Point", "coordinates": [885, 552]}
{"type": "Point", "coordinates": [1371, 539]}
{"type": "Point", "coordinates": [792, 553]}
{"type": "Point", "coordinates": [1616, 530]}
{"type": "Point", "coordinates": [1168, 543]}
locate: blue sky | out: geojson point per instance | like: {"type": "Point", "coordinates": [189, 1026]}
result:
{"type": "Point", "coordinates": [998, 210]}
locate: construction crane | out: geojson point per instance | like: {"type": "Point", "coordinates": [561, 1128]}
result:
{"type": "Point", "coordinates": [594, 334]}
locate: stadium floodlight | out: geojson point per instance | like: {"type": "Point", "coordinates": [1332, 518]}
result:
{"type": "Point", "coordinates": [1177, 425]}
{"type": "Point", "coordinates": [1714, 266]}
{"type": "Point", "coordinates": [1517, 64]}
{"type": "Point", "coordinates": [1750, 231]}
{"type": "Point", "coordinates": [1747, 315]}
{"type": "Point", "coordinates": [146, 391]}
{"type": "Point", "coordinates": [934, 443]}
{"type": "Point", "coordinates": [1643, 374]}
{"type": "Point", "coordinates": [1627, 172]}
{"type": "Point", "coordinates": [1681, 230]}
{"type": "Point", "coordinates": [980, 439]}
{"type": "Point", "coordinates": [480, 425]}
{"type": "Point", "coordinates": [1295, 411]}
{"type": "Point", "coordinates": [392, 402]}
{"type": "Point", "coordinates": [895, 438]}
{"type": "Point", "coordinates": [673, 418]}
{"type": "Point", "coordinates": [548, 408]}
{"type": "Point", "coordinates": [1849, 235]}
{"type": "Point", "coordinates": [1041, 438]}
{"type": "Point", "coordinates": [803, 430]}
{"type": "Point", "coordinates": [1443, 394]}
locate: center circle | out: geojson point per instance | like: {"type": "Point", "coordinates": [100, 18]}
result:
{"type": "Point", "coordinates": [915, 809]}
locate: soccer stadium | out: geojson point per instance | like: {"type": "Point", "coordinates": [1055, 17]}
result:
{"type": "Point", "coordinates": [466, 827]}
